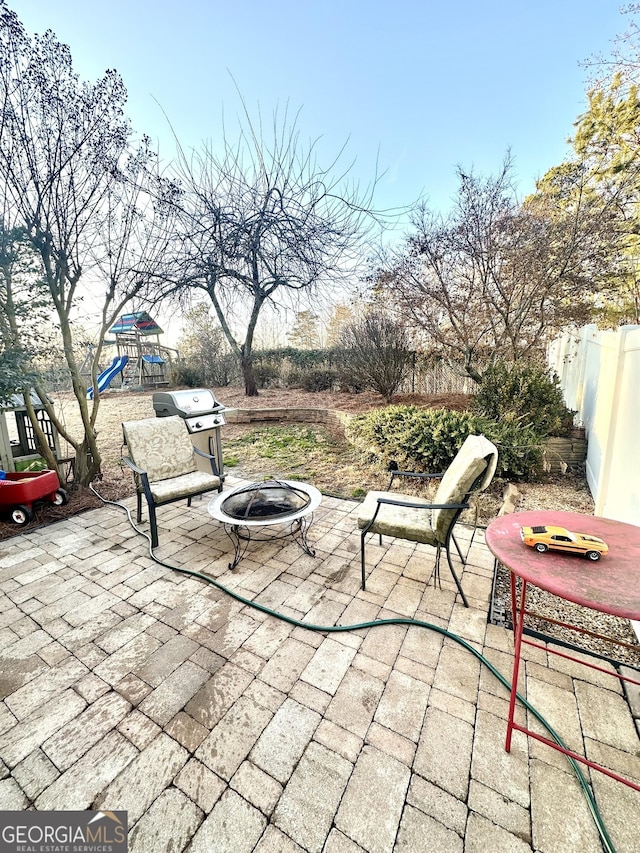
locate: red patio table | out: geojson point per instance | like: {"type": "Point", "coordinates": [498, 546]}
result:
{"type": "Point", "coordinates": [610, 585]}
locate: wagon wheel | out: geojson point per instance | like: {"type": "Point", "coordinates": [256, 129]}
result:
{"type": "Point", "coordinates": [60, 498]}
{"type": "Point", "coordinates": [21, 514]}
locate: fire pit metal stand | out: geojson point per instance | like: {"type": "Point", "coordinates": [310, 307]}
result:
{"type": "Point", "coordinates": [250, 513]}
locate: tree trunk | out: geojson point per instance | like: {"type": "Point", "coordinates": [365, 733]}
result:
{"type": "Point", "coordinates": [87, 466]}
{"type": "Point", "coordinates": [41, 440]}
{"type": "Point", "coordinates": [250, 386]}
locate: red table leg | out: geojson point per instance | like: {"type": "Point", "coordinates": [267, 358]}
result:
{"type": "Point", "coordinates": [517, 616]}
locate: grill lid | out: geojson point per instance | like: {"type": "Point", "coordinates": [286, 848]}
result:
{"type": "Point", "coordinates": [186, 404]}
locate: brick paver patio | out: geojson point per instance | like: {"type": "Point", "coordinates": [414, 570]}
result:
{"type": "Point", "coordinates": [217, 727]}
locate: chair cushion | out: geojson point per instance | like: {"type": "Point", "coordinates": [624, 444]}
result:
{"type": "Point", "coordinates": [160, 446]}
{"type": "Point", "coordinates": [399, 521]}
{"type": "Point", "coordinates": [184, 486]}
{"type": "Point", "coordinates": [477, 455]}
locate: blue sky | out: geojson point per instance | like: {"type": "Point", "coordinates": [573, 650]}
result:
{"type": "Point", "coordinates": [423, 86]}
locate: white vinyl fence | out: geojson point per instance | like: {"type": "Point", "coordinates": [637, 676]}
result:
{"type": "Point", "coordinates": [600, 377]}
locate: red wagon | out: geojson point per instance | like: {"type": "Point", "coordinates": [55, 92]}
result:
{"type": "Point", "coordinates": [21, 489]}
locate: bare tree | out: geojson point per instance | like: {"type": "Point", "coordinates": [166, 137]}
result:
{"type": "Point", "coordinates": [263, 221]}
{"type": "Point", "coordinates": [624, 59]}
{"type": "Point", "coordinates": [84, 195]}
{"type": "Point", "coordinates": [496, 277]}
{"type": "Point", "coordinates": [204, 350]}
{"type": "Point", "coordinates": [375, 350]}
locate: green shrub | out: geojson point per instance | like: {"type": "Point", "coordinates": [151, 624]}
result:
{"type": "Point", "coordinates": [520, 450]}
{"type": "Point", "coordinates": [266, 373]}
{"type": "Point", "coordinates": [318, 379]}
{"type": "Point", "coordinates": [426, 440]}
{"type": "Point", "coordinates": [293, 378]}
{"type": "Point", "coordinates": [413, 438]}
{"type": "Point", "coordinates": [186, 374]}
{"type": "Point", "coordinates": [525, 395]}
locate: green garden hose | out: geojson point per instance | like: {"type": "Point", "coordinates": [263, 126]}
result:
{"type": "Point", "coordinates": [328, 629]}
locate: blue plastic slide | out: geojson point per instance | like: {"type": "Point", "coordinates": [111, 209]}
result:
{"type": "Point", "coordinates": [116, 366]}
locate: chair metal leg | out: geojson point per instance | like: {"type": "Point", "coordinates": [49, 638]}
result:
{"type": "Point", "coordinates": [455, 542]}
{"type": "Point", "coordinates": [139, 515]}
{"type": "Point", "coordinates": [455, 577]}
{"type": "Point", "coordinates": [436, 570]}
{"type": "Point", "coordinates": [362, 538]}
{"type": "Point", "coordinates": [463, 558]}
{"type": "Point", "coordinates": [153, 523]}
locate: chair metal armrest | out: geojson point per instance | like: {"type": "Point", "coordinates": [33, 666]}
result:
{"type": "Point", "coordinates": [144, 478]}
{"type": "Point", "coordinates": [416, 505]}
{"type": "Point", "coordinates": [131, 464]}
{"type": "Point", "coordinates": [211, 458]}
{"type": "Point", "coordinates": [413, 475]}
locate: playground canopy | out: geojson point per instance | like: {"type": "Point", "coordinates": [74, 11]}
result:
{"type": "Point", "coordinates": [140, 322]}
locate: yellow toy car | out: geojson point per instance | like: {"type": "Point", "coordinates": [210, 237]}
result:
{"type": "Point", "coordinates": [546, 538]}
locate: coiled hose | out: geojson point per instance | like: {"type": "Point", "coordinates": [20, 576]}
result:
{"type": "Point", "coordinates": [329, 629]}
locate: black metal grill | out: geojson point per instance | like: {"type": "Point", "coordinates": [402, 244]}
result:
{"type": "Point", "coordinates": [198, 407]}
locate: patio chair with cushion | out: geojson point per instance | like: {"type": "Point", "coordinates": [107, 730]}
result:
{"type": "Point", "coordinates": [431, 522]}
{"type": "Point", "coordinates": [163, 460]}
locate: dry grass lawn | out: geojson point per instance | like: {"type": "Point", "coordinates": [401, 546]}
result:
{"type": "Point", "coordinates": [332, 465]}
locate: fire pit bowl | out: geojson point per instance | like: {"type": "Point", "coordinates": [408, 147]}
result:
{"type": "Point", "coordinates": [251, 509]}
{"type": "Point", "coordinates": [272, 499]}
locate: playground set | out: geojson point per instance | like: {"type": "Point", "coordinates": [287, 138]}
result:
{"type": "Point", "coordinates": [141, 361]}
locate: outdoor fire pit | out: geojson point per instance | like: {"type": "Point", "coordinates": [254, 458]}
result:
{"type": "Point", "coordinates": [264, 511]}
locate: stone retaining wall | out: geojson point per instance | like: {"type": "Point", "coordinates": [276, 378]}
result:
{"type": "Point", "coordinates": [325, 417]}
{"type": "Point", "coordinates": [569, 452]}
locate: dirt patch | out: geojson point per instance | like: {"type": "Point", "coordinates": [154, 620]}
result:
{"type": "Point", "coordinates": [341, 473]}
{"type": "Point", "coordinates": [275, 398]}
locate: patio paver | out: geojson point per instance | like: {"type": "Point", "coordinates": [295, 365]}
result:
{"type": "Point", "coordinates": [217, 727]}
